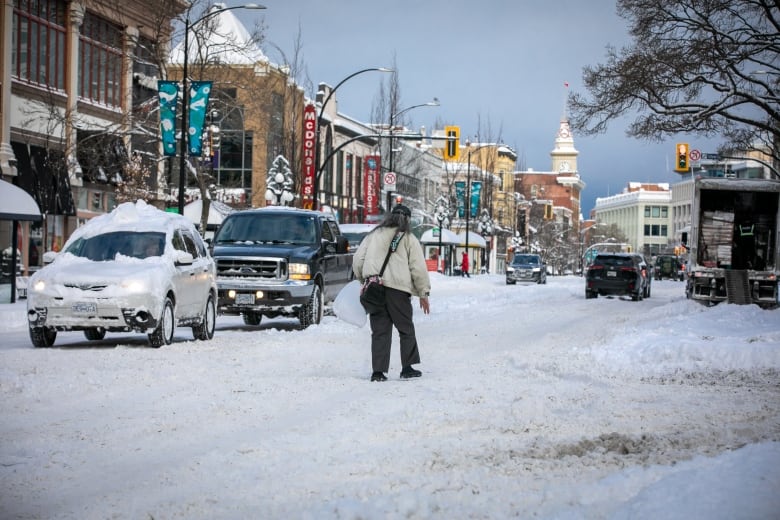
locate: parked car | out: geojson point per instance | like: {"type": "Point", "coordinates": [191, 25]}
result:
{"type": "Point", "coordinates": [134, 269]}
{"type": "Point", "coordinates": [355, 233]}
{"type": "Point", "coordinates": [668, 266]}
{"type": "Point", "coordinates": [618, 274]}
{"type": "Point", "coordinates": [529, 268]}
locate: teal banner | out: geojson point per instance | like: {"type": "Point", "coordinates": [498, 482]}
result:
{"type": "Point", "coordinates": [199, 102]}
{"type": "Point", "coordinates": [476, 189]}
{"type": "Point", "coordinates": [460, 196]}
{"type": "Point", "coordinates": [168, 93]}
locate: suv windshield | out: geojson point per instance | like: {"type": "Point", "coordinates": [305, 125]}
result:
{"type": "Point", "coordinates": [267, 229]}
{"type": "Point", "coordinates": [106, 246]}
{"type": "Point", "coordinates": [525, 259]}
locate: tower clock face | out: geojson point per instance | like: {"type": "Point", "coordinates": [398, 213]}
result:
{"type": "Point", "coordinates": [563, 133]}
{"type": "Point", "coordinates": [564, 167]}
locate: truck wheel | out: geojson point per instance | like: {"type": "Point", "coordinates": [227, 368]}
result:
{"type": "Point", "coordinates": [95, 334]}
{"type": "Point", "coordinates": [163, 334]}
{"type": "Point", "coordinates": [205, 329]}
{"type": "Point", "coordinates": [252, 318]}
{"type": "Point", "coordinates": [311, 313]}
{"type": "Point", "coordinates": [43, 337]}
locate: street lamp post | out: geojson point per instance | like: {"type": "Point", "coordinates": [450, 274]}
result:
{"type": "Point", "coordinates": [186, 91]}
{"type": "Point", "coordinates": [393, 119]}
{"type": "Point", "coordinates": [315, 190]}
{"type": "Point", "coordinates": [442, 210]}
{"type": "Point", "coordinates": [468, 188]}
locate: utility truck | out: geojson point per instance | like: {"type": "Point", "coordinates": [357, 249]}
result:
{"type": "Point", "coordinates": [733, 248]}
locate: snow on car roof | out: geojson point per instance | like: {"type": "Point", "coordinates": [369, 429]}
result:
{"type": "Point", "coordinates": [130, 216]}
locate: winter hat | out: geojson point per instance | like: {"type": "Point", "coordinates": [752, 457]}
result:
{"type": "Point", "coordinates": [400, 209]}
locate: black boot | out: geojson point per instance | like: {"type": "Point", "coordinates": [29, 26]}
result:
{"type": "Point", "coordinates": [378, 376]}
{"type": "Point", "coordinates": [409, 372]}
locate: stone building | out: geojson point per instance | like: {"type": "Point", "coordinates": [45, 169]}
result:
{"type": "Point", "coordinates": [554, 195]}
{"type": "Point", "coordinates": [69, 95]}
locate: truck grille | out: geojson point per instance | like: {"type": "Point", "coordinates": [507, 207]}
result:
{"type": "Point", "coordinates": [252, 268]}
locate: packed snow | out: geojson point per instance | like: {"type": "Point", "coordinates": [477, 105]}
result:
{"type": "Point", "coordinates": [534, 402]}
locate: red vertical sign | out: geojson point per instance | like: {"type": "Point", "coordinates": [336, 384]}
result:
{"type": "Point", "coordinates": [308, 168]}
{"type": "Point", "coordinates": [371, 185]}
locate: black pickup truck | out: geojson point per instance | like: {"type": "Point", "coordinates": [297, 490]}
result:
{"type": "Point", "coordinates": [279, 261]}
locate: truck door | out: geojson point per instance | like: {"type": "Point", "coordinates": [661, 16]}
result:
{"type": "Point", "coordinates": [336, 266]}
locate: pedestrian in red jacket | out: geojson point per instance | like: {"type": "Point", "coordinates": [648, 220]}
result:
{"type": "Point", "coordinates": [464, 265]}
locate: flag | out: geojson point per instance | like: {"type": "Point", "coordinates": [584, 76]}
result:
{"type": "Point", "coordinates": [566, 84]}
{"type": "Point", "coordinates": [199, 101]}
{"type": "Point", "coordinates": [168, 91]}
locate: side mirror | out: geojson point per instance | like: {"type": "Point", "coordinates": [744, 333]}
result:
{"type": "Point", "coordinates": [342, 244]}
{"type": "Point", "coordinates": [49, 256]}
{"type": "Point", "coordinates": [183, 258]}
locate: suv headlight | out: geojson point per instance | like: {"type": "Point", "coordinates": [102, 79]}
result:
{"type": "Point", "coordinates": [299, 272]}
{"type": "Point", "coordinates": [134, 286]}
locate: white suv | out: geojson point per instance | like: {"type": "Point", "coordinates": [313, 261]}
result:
{"type": "Point", "coordinates": [134, 269]}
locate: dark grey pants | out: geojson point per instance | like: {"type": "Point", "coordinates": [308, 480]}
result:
{"type": "Point", "coordinates": [398, 313]}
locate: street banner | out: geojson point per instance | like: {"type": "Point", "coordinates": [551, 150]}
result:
{"type": "Point", "coordinates": [460, 197]}
{"type": "Point", "coordinates": [168, 93]}
{"type": "Point", "coordinates": [476, 189]}
{"type": "Point", "coordinates": [308, 155]}
{"type": "Point", "coordinates": [371, 184]}
{"type": "Point", "coordinates": [199, 101]}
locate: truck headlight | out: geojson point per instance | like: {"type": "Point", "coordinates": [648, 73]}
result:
{"type": "Point", "coordinates": [299, 272]}
{"type": "Point", "coordinates": [39, 286]}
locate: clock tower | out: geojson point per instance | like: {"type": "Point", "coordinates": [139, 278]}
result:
{"type": "Point", "coordinates": [564, 155]}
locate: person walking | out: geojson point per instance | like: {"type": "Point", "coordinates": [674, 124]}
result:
{"type": "Point", "coordinates": [464, 265]}
{"type": "Point", "coordinates": [404, 276]}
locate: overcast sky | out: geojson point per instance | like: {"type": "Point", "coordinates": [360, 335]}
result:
{"type": "Point", "coordinates": [502, 61]}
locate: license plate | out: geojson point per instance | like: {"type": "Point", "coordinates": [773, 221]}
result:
{"type": "Point", "coordinates": [245, 299]}
{"type": "Point", "coordinates": [612, 273]}
{"type": "Point", "coordinates": [84, 308]}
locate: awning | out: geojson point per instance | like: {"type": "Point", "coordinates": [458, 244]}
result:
{"type": "Point", "coordinates": [17, 204]}
{"type": "Point", "coordinates": [447, 237]}
{"type": "Point", "coordinates": [475, 240]}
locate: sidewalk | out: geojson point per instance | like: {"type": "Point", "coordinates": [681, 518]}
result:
{"type": "Point", "coordinates": [13, 315]}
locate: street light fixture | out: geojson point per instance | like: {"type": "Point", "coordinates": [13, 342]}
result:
{"type": "Point", "coordinates": [393, 119]}
{"type": "Point", "coordinates": [186, 92]}
{"type": "Point", "coordinates": [315, 190]}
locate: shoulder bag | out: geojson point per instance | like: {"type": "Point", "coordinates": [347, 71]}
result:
{"type": "Point", "coordinates": [372, 294]}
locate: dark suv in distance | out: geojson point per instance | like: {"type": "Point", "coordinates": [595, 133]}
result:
{"type": "Point", "coordinates": [528, 268]}
{"type": "Point", "coordinates": [618, 274]}
{"type": "Point", "coordinates": [669, 266]}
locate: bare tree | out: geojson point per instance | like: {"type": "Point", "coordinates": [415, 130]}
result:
{"type": "Point", "coordinates": [708, 67]}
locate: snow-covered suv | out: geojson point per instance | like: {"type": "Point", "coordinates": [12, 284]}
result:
{"type": "Point", "coordinates": [134, 269]}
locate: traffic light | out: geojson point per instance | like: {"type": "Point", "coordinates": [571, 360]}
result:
{"type": "Point", "coordinates": [548, 211]}
{"type": "Point", "coordinates": [452, 145]}
{"type": "Point", "coordinates": [681, 164]}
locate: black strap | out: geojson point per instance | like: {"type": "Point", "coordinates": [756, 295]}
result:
{"type": "Point", "coordinates": [393, 246]}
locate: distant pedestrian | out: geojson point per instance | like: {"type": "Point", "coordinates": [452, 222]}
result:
{"type": "Point", "coordinates": [464, 265]}
{"type": "Point", "coordinates": [405, 275]}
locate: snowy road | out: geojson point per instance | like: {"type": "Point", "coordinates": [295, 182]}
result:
{"type": "Point", "coordinates": [533, 402]}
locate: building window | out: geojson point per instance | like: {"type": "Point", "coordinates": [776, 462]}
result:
{"type": "Point", "coordinates": [664, 230]}
{"type": "Point", "coordinates": [39, 42]}
{"type": "Point", "coordinates": [664, 212]}
{"type": "Point", "coordinates": [534, 190]}
{"type": "Point", "coordinates": [100, 66]}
